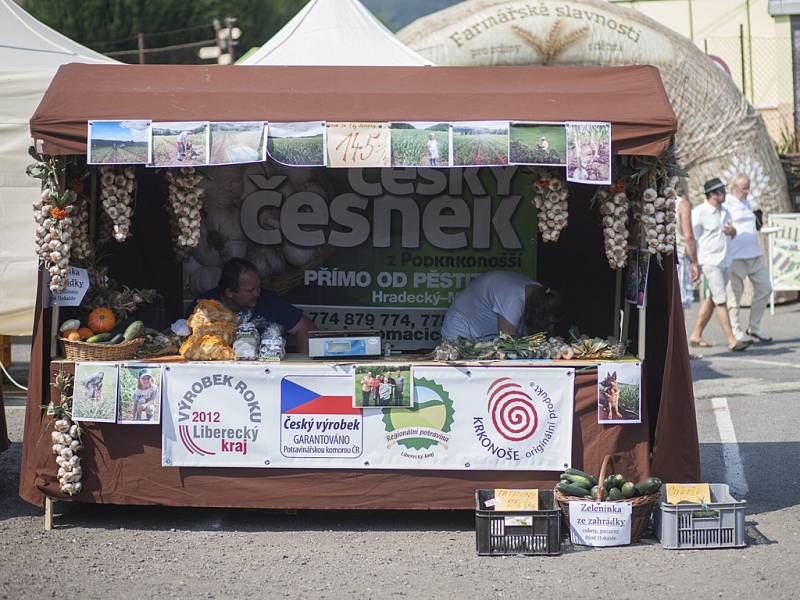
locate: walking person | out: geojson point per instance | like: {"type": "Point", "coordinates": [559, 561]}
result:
{"type": "Point", "coordinates": [747, 262]}
{"type": "Point", "coordinates": [713, 228]}
{"type": "Point", "coordinates": [686, 251]}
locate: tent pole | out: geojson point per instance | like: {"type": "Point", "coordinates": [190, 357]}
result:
{"type": "Point", "coordinates": [642, 321]}
{"type": "Point", "coordinates": [617, 304]}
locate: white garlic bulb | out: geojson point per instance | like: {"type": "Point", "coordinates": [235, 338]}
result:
{"type": "Point", "coordinates": [185, 203]}
{"type": "Point", "coordinates": [614, 207]}
{"type": "Point", "coordinates": [118, 196]}
{"type": "Point", "coordinates": [550, 196]}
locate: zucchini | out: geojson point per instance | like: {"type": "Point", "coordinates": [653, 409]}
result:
{"type": "Point", "coordinates": [69, 324]}
{"type": "Point", "coordinates": [569, 489]}
{"type": "Point", "coordinates": [100, 338]}
{"type": "Point", "coordinates": [580, 473]}
{"type": "Point", "coordinates": [133, 331]}
{"type": "Point", "coordinates": [628, 489]}
{"type": "Point", "coordinates": [614, 494]}
{"type": "Point", "coordinates": [649, 486]}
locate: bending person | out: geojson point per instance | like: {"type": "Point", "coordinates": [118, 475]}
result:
{"type": "Point", "coordinates": [502, 301]}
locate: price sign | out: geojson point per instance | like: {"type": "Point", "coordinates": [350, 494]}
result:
{"type": "Point", "coordinates": [516, 499]}
{"type": "Point", "coordinates": [358, 144]}
{"type": "Point", "coordinates": [696, 493]}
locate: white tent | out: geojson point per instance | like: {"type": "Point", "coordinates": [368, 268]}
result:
{"type": "Point", "coordinates": [335, 32]}
{"type": "Point", "coordinates": [30, 53]}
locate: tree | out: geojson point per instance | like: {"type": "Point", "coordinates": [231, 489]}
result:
{"type": "Point", "coordinates": [112, 25]}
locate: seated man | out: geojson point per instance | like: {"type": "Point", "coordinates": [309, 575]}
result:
{"type": "Point", "coordinates": [240, 289]}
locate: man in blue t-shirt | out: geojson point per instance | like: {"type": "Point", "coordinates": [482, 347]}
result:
{"type": "Point", "coordinates": [240, 289]}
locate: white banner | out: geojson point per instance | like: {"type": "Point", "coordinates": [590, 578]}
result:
{"type": "Point", "coordinates": [301, 416]}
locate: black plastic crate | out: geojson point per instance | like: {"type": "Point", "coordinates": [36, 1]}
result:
{"type": "Point", "coordinates": [530, 532]}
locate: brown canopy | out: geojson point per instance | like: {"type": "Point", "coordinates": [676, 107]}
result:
{"type": "Point", "coordinates": [631, 98]}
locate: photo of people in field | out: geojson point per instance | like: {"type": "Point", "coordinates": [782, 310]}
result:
{"type": "Point", "coordinates": [139, 395]}
{"type": "Point", "coordinates": [180, 144]}
{"type": "Point", "coordinates": [383, 385]}
{"type": "Point", "coordinates": [619, 398]}
{"type": "Point", "coordinates": [298, 144]}
{"type": "Point", "coordinates": [94, 392]}
{"type": "Point", "coordinates": [237, 142]}
{"type": "Point", "coordinates": [589, 153]}
{"type": "Point", "coordinates": [420, 144]}
{"type": "Point", "coordinates": [537, 144]}
{"type": "Point", "coordinates": [480, 143]}
{"type": "Point", "coordinates": [119, 143]}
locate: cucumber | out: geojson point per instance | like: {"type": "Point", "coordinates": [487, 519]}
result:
{"type": "Point", "coordinates": [115, 340]}
{"type": "Point", "coordinates": [628, 490]}
{"type": "Point", "coordinates": [649, 486]}
{"type": "Point", "coordinates": [614, 494]}
{"type": "Point", "coordinates": [609, 482]}
{"type": "Point", "coordinates": [579, 480]}
{"type": "Point", "coordinates": [580, 473]}
{"type": "Point", "coordinates": [100, 338]}
{"type": "Point", "coordinates": [569, 489]}
{"type": "Point", "coordinates": [133, 331]}
{"type": "Point", "coordinates": [619, 481]}
{"type": "Point", "coordinates": [593, 492]}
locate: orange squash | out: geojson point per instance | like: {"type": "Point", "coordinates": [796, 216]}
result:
{"type": "Point", "coordinates": [101, 320]}
{"type": "Point", "coordinates": [74, 336]}
{"type": "Point", "coordinates": [85, 333]}
{"type": "Point", "coordinates": [66, 333]}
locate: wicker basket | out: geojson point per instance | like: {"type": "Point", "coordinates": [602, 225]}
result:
{"type": "Point", "coordinates": [84, 351]}
{"type": "Point", "coordinates": [642, 506]}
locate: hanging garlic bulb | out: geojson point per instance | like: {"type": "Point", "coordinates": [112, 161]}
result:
{"type": "Point", "coordinates": [550, 198]}
{"type": "Point", "coordinates": [66, 444]}
{"type": "Point", "coordinates": [54, 231]}
{"type": "Point", "coordinates": [117, 190]}
{"type": "Point", "coordinates": [614, 209]}
{"type": "Point", "coordinates": [81, 244]}
{"type": "Point", "coordinates": [185, 205]}
{"type": "Point", "coordinates": [658, 219]}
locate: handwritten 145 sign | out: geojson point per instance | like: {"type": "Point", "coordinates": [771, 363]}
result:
{"type": "Point", "coordinates": [358, 144]}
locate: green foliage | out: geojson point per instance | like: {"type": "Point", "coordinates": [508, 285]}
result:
{"type": "Point", "coordinates": [790, 141]}
{"type": "Point", "coordinates": [629, 398]}
{"type": "Point", "coordinates": [90, 22]}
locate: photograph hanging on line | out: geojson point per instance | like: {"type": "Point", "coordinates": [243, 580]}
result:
{"type": "Point", "coordinates": [94, 392]}
{"type": "Point", "coordinates": [358, 145]}
{"type": "Point", "coordinates": [139, 395]}
{"type": "Point", "coordinates": [479, 143]}
{"type": "Point", "coordinates": [180, 144]}
{"type": "Point", "coordinates": [619, 393]}
{"type": "Point", "coordinates": [119, 143]}
{"type": "Point", "coordinates": [420, 144]}
{"type": "Point", "coordinates": [380, 385]}
{"type": "Point", "coordinates": [299, 144]}
{"type": "Point", "coordinates": [237, 142]}
{"type": "Point", "coordinates": [589, 152]}
{"type": "Point", "coordinates": [537, 144]}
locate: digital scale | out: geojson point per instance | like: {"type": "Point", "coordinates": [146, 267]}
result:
{"type": "Point", "coordinates": [344, 344]}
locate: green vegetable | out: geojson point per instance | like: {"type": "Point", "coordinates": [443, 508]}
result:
{"type": "Point", "coordinates": [100, 338]}
{"type": "Point", "coordinates": [649, 486]}
{"type": "Point", "coordinates": [629, 489]}
{"type": "Point", "coordinates": [614, 494]}
{"type": "Point", "coordinates": [69, 324]}
{"type": "Point", "coordinates": [569, 489]}
{"type": "Point", "coordinates": [579, 481]}
{"type": "Point", "coordinates": [591, 478]}
{"type": "Point", "coordinates": [619, 481]}
{"type": "Point", "coordinates": [609, 482]}
{"type": "Point", "coordinates": [133, 331]}
{"type": "Point", "coordinates": [594, 491]}
{"type": "Point", "coordinates": [116, 339]}
{"type": "Point", "coordinates": [705, 514]}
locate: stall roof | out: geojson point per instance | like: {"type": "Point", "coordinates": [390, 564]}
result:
{"type": "Point", "coordinates": [631, 98]}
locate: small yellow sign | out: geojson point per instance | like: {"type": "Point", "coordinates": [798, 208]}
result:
{"type": "Point", "coordinates": [688, 492]}
{"type": "Point", "coordinates": [516, 499]}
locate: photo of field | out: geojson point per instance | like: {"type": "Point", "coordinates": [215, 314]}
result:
{"type": "Point", "coordinates": [297, 144]}
{"type": "Point", "coordinates": [589, 153]}
{"type": "Point", "coordinates": [480, 143]}
{"type": "Point", "coordinates": [420, 144]}
{"type": "Point", "coordinates": [236, 142]}
{"type": "Point", "coordinates": [537, 144]}
{"type": "Point", "coordinates": [180, 144]}
{"type": "Point", "coordinates": [119, 142]}
{"type": "Point", "coordinates": [94, 392]}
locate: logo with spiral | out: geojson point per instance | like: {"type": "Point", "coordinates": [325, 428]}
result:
{"type": "Point", "coordinates": [512, 411]}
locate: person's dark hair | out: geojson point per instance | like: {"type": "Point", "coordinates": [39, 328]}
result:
{"type": "Point", "coordinates": [543, 309]}
{"type": "Point", "coordinates": [229, 279]}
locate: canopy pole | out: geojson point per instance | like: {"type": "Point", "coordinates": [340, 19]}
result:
{"type": "Point", "coordinates": [617, 304]}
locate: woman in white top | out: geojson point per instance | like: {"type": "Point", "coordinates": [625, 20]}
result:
{"type": "Point", "coordinates": [502, 301]}
{"type": "Point", "coordinates": [432, 148]}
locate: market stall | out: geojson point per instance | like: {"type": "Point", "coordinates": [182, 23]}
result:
{"type": "Point", "coordinates": [158, 465]}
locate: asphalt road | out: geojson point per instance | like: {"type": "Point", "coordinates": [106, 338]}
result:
{"type": "Point", "coordinates": [748, 408]}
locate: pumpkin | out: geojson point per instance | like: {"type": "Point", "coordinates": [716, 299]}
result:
{"type": "Point", "coordinates": [101, 320]}
{"type": "Point", "coordinates": [85, 332]}
{"type": "Point", "coordinates": [74, 336]}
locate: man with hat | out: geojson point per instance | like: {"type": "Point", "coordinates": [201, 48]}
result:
{"type": "Point", "coordinates": [713, 228]}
